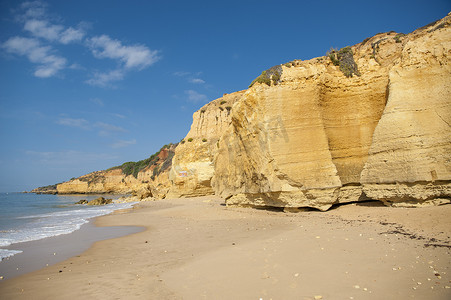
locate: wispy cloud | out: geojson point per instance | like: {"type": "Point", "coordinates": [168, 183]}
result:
{"type": "Point", "coordinates": [106, 129]}
{"type": "Point", "coordinates": [97, 101]}
{"type": "Point", "coordinates": [196, 80]}
{"type": "Point", "coordinates": [105, 79]}
{"type": "Point", "coordinates": [78, 123]}
{"type": "Point", "coordinates": [32, 9]}
{"type": "Point", "coordinates": [190, 77]}
{"type": "Point", "coordinates": [123, 143]}
{"type": "Point", "coordinates": [135, 56]}
{"type": "Point", "coordinates": [118, 115]}
{"type": "Point", "coordinates": [38, 24]}
{"type": "Point", "coordinates": [46, 32]}
{"type": "Point", "coordinates": [195, 97]}
{"type": "Point", "coordinates": [181, 73]}
{"type": "Point", "coordinates": [48, 63]}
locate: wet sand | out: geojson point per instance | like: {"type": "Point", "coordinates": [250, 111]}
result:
{"type": "Point", "coordinates": [199, 249]}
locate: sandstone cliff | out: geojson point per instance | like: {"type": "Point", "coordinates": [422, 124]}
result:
{"type": "Point", "coordinates": [312, 134]}
{"type": "Point", "coordinates": [371, 121]}
{"type": "Point", "coordinates": [193, 161]}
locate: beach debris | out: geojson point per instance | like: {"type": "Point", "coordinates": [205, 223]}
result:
{"type": "Point", "coordinates": [54, 253]}
{"type": "Point", "coordinates": [296, 275]}
{"type": "Point", "coordinates": [447, 287]}
{"type": "Point", "coordinates": [318, 237]}
{"type": "Point", "coordinates": [318, 297]}
{"type": "Point", "coordinates": [1, 277]}
{"type": "Point", "coordinates": [357, 287]}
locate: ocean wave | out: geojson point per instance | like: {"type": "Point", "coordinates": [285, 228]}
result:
{"type": "Point", "coordinates": [56, 223]}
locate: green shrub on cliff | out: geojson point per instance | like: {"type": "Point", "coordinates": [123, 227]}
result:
{"type": "Point", "coordinates": [133, 168]}
{"type": "Point", "coordinates": [272, 75]}
{"type": "Point", "coordinates": [345, 60]}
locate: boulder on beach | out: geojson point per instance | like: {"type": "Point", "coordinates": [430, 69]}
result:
{"type": "Point", "coordinates": [83, 201]}
{"type": "Point", "coordinates": [100, 201]}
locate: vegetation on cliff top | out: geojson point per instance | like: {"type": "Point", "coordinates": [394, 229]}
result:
{"type": "Point", "coordinates": [345, 60]}
{"type": "Point", "coordinates": [272, 75]}
{"type": "Point", "coordinates": [133, 168]}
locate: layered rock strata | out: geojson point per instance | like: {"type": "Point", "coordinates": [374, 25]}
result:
{"type": "Point", "coordinates": [409, 161]}
{"type": "Point", "coordinates": [317, 136]}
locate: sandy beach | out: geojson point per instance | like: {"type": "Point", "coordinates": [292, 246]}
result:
{"type": "Point", "coordinates": [198, 248]}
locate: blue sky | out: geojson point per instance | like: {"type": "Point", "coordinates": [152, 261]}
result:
{"type": "Point", "coordinates": [86, 85]}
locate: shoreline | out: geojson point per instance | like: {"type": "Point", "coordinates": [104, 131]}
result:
{"type": "Point", "coordinates": [197, 248]}
{"type": "Point", "coordinates": [39, 254]}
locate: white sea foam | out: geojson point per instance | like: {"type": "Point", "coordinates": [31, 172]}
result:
{"type": "Point", "coordinates": [41, 226]}
{"type": "Point", "coordinates": [5, 253]}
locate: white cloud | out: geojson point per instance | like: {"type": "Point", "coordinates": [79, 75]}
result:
{"type": "Point", "coordinates": [76, 66]}
{"type": "Point", "coordinates": [48, 63]}
{"type": "Point", "coordinates": [105, 79]}
{"type": "Point", "coordinates": [33, 9]}
{"type": "Point", "coordinates": [123, 143]}
{"type": "Point", "coordinates": [181, 73]}
{"type": "Point", "coordinates": [195, 97]}
{"type": "Point", "coordinates": [196, 80]}
{"type": "Point", "coordinates": [190, 77]}
{"type": "Point", "coordinates": [37, 22]}
{"type": "Point", "coordinates": [42, 29]}
{"type": "Point", "coordinates": [71, 35]}
{"type": "Point", "coordinates": [136, 56]}
{"type": "Point", "coordinates": [79, 123]}
{"type": "Point", "coordinates": [46, 32]}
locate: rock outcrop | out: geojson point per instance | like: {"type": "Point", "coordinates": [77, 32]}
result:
{"type": "Point", "coordinates": [192, 166]}
{"type": "Point", "coordinates": [100, 201]}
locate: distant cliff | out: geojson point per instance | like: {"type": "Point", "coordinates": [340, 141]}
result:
{"type": "Point", "coordinates": [148, 177]}
{"type": "Point", "coordinates": [371, 121]}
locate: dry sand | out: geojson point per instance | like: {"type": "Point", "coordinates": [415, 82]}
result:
{"type": "Point", "coordinates": [199, 249]}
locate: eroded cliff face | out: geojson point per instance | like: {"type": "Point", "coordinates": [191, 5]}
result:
{"type": "Point", "coordinates": [313, 138]}
{"type": "Point", "coordinates": [409, 161]}
{"type": "Point", "coordinates": [192, 166]}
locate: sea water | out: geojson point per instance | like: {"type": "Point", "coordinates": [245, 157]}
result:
{"type": "Point", "coordinates": [30, 217]}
